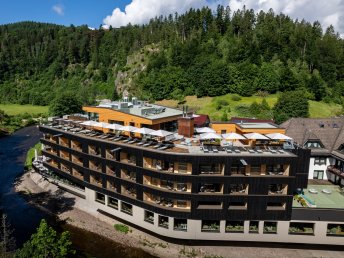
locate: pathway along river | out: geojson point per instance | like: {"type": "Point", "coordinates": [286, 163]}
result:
{"type": "Point", "coordinates": [25, 218]}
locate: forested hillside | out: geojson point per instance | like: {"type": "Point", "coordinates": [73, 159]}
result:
{"type": "Point", "coordinates": [201, 53]}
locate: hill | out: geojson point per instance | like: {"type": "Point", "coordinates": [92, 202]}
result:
{"type": "Point", "coordinates": [200, 52]}
{"type": "Point", "coordinates": [236, 106]}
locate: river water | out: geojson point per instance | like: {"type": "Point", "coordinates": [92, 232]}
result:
{"type": "Point", "coordinates": [25, 218]}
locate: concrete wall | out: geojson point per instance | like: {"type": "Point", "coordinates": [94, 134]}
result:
{"type": "Point", "coordinates": [194, 228]}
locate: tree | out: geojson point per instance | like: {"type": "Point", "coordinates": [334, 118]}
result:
{"type": "Point", "coordinates": [7, 241]}
{"type": "Point", "coordinates": [290, 104]}
{"type": "Point", "coordinates": [66, 103]}
{"type": "Point", "coordinates": [47, 243]}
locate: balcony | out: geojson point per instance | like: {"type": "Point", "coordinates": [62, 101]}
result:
{"type": "Point", "coordinates": [166, 202]}
{"type": "Point", "coordinates": [110, 185]}
{"type": "Point", "coordinates": [277, 189]}
{"type": "Point", "coordinates": [64, 142]}
{"type": "Point", "coordinates": [211, 169]}
{"type": "Point", "coordinates": [76, 146]}
{"type": "Point", "coordinates": [125, 174]}
{"type": "Point", "coordinates": [65, 169]}
{"type": "Point", "coordinates": [129, 191]}
{"type": "Point", "coordinates": [95, 180]}
{"type": "Point", "coordinates": [110, 170]}
{"type": "Point", "coordinates": [238, 189]}
{"type": "Point", "coordinates": [211, 188]}
{"type": "Point", "coordinates": [77, 160]}
{"type": "Point", "coordinates": [95, 166]}
{"type": "Point", "coordinates": [77, 174]}
{"type": "Point", "coordinates": [128, 158]}
{"type": "Point", "coordinates": [93, 150]}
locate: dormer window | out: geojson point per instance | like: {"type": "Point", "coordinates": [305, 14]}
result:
{"type": "Point", "coordinates": [341, 148]}
{"type": "Point", "coordinates": [313, 144]}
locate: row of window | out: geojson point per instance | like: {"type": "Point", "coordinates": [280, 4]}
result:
{"type": "Point", "coordinates": [269, 227]}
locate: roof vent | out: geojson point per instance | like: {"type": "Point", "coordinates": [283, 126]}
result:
{"type": "Point", "coordinates": [322, 125]}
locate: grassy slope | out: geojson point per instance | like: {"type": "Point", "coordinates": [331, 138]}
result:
{"type": "Point", "coordinates": [207, 105]}
{"type": "Point", "coordinates": [15, 109]}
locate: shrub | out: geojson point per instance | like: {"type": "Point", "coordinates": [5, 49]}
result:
{"type": "Point", "coordinates": [121, 228]}
{"type": "Point", "coordinates": [236, 97]}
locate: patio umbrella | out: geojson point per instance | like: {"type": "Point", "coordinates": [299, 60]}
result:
{"type": "Point", "coordinates": [115, 127]}
{"type": "Point", "coordinates": [233, 136]}
{"type": "Point", "coordinates": [144, 130]}
{"type": "Point", "coordinates": [278, 136]}
{"type": "Point", "coordinates": [205, 130]}
{"type": "Point", "coordinates": [208, 136]}
{"type": "Point", "coordinates": [100, 124]}
{"type": "Point", "coordinates": [89, 123]}
{"type": "Point", "coordinates": [255, 136]}
{"type": "Point", "coordinates": [128, 128]}
{"type": "Point", "coordinates": [160, 133]}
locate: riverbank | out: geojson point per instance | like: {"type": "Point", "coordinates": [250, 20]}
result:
{"type": "Point", "coordinates": [76, 212]}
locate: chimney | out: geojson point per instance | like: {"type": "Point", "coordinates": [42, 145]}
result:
{"type": "Point", "coordinates": [186, 126]}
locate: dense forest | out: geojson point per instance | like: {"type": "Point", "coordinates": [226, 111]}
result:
{"type": "Point", "coordinates": [201, 52]}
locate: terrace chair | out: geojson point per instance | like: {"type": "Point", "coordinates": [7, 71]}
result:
{"type": "Point", "coordinates": [280, 150]}
{"type": "Point", "coordinates": [141, 142]}
{"type": "Point", "coordinates": [163, 147]}
{"type": "Point", "coordinates": [210, 149]}
{"type": "Point", "coordinates": [228, 150]}
{"type": "Point", "coordinates": [157, 146]}
{"type": "Point", "coordinates": [147, 144]}
{"type": "Point", "coordinates": [258, 149]}
{"type": "Point", "coordinates": [272, 150]}
{"type": "Point", "coordinates": [251, 150]}
{"type": "Point", "coordinates": [205, 150]}
{"type": "Point", "coordinates": [133, 141]}
{"type": "Point", "coordinates": [128, 139]}
{"type": "Point", "coordinates": [236, 150]}
{"type": "Point", "coordinates": [215, 150]}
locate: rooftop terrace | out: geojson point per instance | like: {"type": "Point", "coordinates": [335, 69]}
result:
{"type": "Point", "coordinates": [178, 144]}
{"type": "Point", "coordinates": [324, 196]}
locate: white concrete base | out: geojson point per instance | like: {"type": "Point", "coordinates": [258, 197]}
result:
{"type": "Point", "coordinates": [194, 232]}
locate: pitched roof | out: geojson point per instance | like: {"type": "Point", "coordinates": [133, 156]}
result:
{"type": "Point", "coordinates": [201, 120]}
{"type": "Point", "coordinates": [329, 131]}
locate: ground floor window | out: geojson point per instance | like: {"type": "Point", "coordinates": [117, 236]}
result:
{"type": "Point", "coordinates": [180, 224]}
{"type": "Point", "coordinates": [318, 174]}
{"type": "Point", "coordinates": [149, 217]}
{"type": "Point", "coordinates": [335, 230]}
{"type": "Point", "coordinates": [254, 227]}
{"type": "Point", "coordinates": [210, 226]}
{"type": "Point", "coordinates": [100, 198]}
{"type": "Point", "coordinates": [235, 226]}
{"type": "Point", "coordinates": [127, 208]}
{"type": "Point", "coordinates": [297, 228]}
{"type": "Point", "coordinates": [163, 221]}
{"type": "Point", "coordinates": [270, 227]}
{"type": "Point", "coordinates": [113, 203]}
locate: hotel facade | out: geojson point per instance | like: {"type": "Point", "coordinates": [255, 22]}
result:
{"type": "Point", "coordinates": [180, 190]}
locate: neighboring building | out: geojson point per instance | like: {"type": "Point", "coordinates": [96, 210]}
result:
{"type": "Point", "coordinates": [325, 138]}
{"type": "Point", "coordinates": [183, 191]}
{"type": "Point", "coordinates": [201, 120]}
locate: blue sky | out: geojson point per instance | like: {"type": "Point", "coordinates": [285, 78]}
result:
{"type": "Point", "coordinates": [120, 12]}
{"type": "Point", "coordinates": [77, 12]}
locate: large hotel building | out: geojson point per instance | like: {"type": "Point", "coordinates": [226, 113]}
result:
{"type": "Point", "coordinates": [177, 184]}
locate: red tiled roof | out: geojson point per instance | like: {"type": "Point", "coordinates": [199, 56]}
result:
{"type": "Point", "coordinates": [201, 120]}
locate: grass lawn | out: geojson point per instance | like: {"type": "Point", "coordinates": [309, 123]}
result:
{"type": "Point", "coordinates": [207, 105]}
{"type": "Point", "coordinates": [16, 109]}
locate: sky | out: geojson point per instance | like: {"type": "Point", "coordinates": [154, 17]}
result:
{"type": "Point", "coordinates": [96, 13]}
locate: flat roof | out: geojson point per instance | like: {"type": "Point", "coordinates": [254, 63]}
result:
{"type": "Point", "coordinates": [145, 110]}
{"type": "Point", "coordinates": [324, 196]}
{"type": "Point", "coordinates": [257, 125]}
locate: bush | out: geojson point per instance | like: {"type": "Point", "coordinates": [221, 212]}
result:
{"type": "Point", "coordinates": [121, 228]}
{"type": "Point", "coordinates": [236, 97]}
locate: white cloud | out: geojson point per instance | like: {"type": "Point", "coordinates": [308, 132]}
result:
{"type": "Point", "coordinates": [327, 12]}
{"type": "Point", "coordinates": [59, 9]}
{"type": "Point", "coordinates": [141, 11]}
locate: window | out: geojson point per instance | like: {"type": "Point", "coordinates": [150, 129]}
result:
{"type": "Point", "coordinates": [318, 174]}
{"type": "Point", "coordinates": [166, 184]}
{"type": "Point", "coordinates": [297, 228]}
{"type": "Point", "coordinates": [254, 227]}
{"type": "Point", "coordinates": [113, 203]}
{"type": "Point", "coordinates": [180, 225]}
{"type": "Point", "coordinates": [235, 226]}
{"type": "Point", "coordinates": [223, 131]}
{"type": "Point", "coordinates": [276, 169]}
{"type": "Point", "coordinates": [313, 144]}
{"type": "Point", "coordinates": [255, 169]}
{"type": "Point", "coordinates": [237, 169]}
{"type": "Point", "coordinates": [335, 230]}
{"type": "Point", "coordinates": [181, 187]}
{"type": "Point", "coordinates": [209, 205]}
{"type": "Point", "coordinates": [276, 188]}
{"type": "Point", "coordinates": [210, 226]}
{"type": "Point", "coordinates": [163, 221]}
{"type": "Point", "coordinates": [149, 217]}
{"type": "Point", "coordinates": [100, 198]}
{"type": "Point", "coordinates": [211, 168]}
{"type": "Point", "coordinates": [270, 227]}
{"type": "Point", "coordinates": [238, 189]}
{"type": "Point", "coordinates": [127, 208]}
{"type": "Point", "coordinates": [320, 161]}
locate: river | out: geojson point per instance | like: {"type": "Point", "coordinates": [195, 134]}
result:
{"type": "Point", "coordinates": [25, 218]}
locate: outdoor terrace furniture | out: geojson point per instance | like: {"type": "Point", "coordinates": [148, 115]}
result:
{"type": "Point", "coordinates": [142, 142]}
{"type": "Point", "coordinates": [133, 141]}
{"type": "Point", "coordinates": [147, 144]}
{"type": "Point", "coordinates": [228, 150]}
{"type": "Point", "coordinates": [128, 139]}
{"type": "Point", "coordinates": [205, 149]}
{"type": "Point", "coordinates": [326, 191]}
{"type": "Point", "coordinates": [215, 150]}
{"type": "Point", "coordinates": [313, 191]}
{"type": "Point", "coordinates": [236, 150]}
{"type": "Point", "coordinates": [272, 150]}
{"type": "Point", "coordinates": [258, 149]}
{"type": "Point", "coordinates": [251, 150]}
{"type": "Point", "coordinates": [157, 146]}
